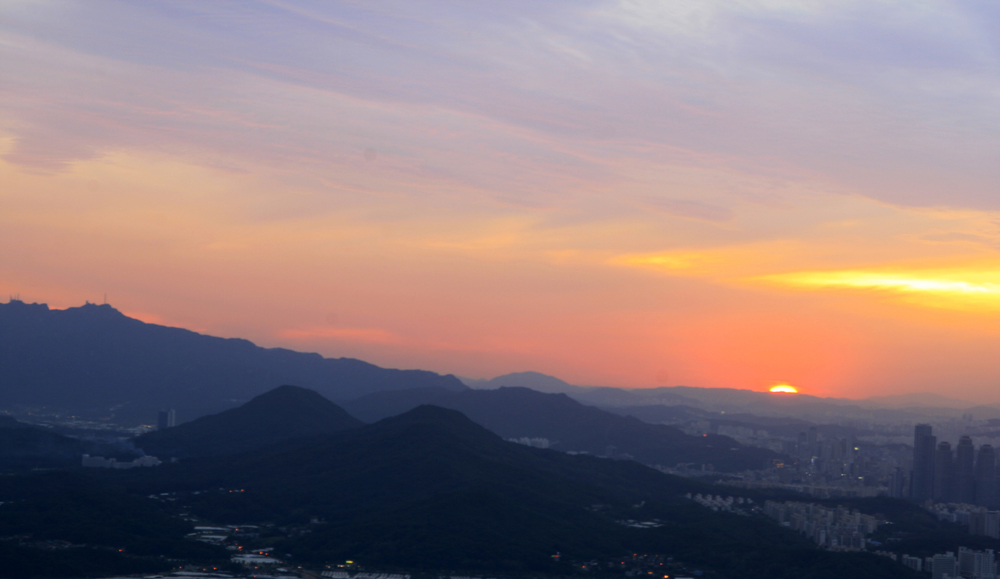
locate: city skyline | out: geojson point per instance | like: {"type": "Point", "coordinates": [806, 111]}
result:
{"type": "Point", "coordinates": [623, 194]}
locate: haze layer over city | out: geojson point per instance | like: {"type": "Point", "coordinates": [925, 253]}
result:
{"type": "Point", "coordinates": [469, 290]}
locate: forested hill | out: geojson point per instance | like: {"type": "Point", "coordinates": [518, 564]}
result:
{"type": "Point", "coordinates": [93, 359]}
{"type": "Point", "coordinates": [432, 491]}
{"type": "Point", "coordinates": [23, 447]}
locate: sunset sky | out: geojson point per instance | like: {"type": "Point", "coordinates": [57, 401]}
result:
{"type": "Point", "coordinates": [634, 193]}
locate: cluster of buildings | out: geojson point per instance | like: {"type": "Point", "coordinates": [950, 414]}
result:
{"type": "Point", "coordinates": [717, 503]}
{"type": "Point", "coordinates": [826, 466]}
{"type": "Point", "coordinates": [980, 520]}
{"type": "Point", "coordinates": [815, 489]}
{"type": "Point", "coordinates": [533, 442]}
{"type": "Point", "coordinates": [362, 575]}
{"type": "Point", "coordinates": [832, 528]}
{"type": "Point", "coordinates": [933, 471]}
{"type": "Point", "coordinates": [101, 462]}
{"type": "Point", "coordinates": [945, 475]}
{"type": "Point", "coordinates": [869, 457]}
{"type": "Point", "coordinates": [968, 564]}
{"type": "Point", "coordinates": [830, 450]}
{"type": "Point", "coordinates": [228, 535]}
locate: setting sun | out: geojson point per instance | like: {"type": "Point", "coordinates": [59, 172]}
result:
{"type": "Point", "coordinates": [787, 388]}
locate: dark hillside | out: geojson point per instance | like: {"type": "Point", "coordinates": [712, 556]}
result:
{"type": "Point", "coordinates": [24, 447]}
{"type": "Point", "coordinates": [111, 532]}
{"type": "Point", "coordinates": [570, 426]}
{"type": "Point", "coordinates": [431, 490]}
{"type": "Point", "coordinates": [283, 413]}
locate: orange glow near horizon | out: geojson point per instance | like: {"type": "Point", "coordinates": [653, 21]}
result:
{"type": "Point", "coordinates": [784, 388]}
{"type": "Point", "coordinates": [646, 233]}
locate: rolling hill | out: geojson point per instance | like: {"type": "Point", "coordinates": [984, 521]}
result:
{"type": "Point", "coordinates": [567, 425]}
{"type": "Point", "coordinates": [281, 414]}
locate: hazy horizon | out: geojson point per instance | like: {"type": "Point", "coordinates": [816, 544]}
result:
{"type": "Point", "coordinates": [924, 398]}
{"type": "Point", "coordinates": [622, 193]}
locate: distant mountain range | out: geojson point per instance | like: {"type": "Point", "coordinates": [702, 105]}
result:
{"type": "Point", "coordinates": [94, 361]}
{"type": "Point", "coordinates": [534, 380]}
{"type": "Point", "coordinates": [915, 406]}
{"type": "Point", "coordinates": [916, 400]}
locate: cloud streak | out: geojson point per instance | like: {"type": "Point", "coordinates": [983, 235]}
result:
{"type": "Point", "coordinates": [971, 288]}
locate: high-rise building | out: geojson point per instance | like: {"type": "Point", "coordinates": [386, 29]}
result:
{"type": "Point", "coordinates": [915, 563]}
{"type": "Point", "coordinates": [944, 473]}
{"type": "Point", "coordinates": [166, 419]}
{"type": "Point", "coordinates": [922, 479]}
{"type": "Point", "coordinates": [812, 441]}
{"type": "Point", "coordinates": [965, 474]}
{"type": "Point", "coordinates": [945, 565]}
{"type": "Point", "coordinates": [976, 564]}
{"type": "Point", "coordinates": [897, 485]}
{"type": "Point", "coordinates": [985, 476]}
{"type": "Point", "coordinates": [803, 446]}
{"type": "Point", "coordinates": [992, 526]}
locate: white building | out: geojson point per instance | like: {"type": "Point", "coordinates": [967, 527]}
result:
{"type": "Point", "coordinates": [915, 563]}
{"type": "Point", "coordinates": [977, 564]}
{"type": "Point", "coordinates": [944, 566]}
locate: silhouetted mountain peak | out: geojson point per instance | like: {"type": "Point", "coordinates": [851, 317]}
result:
{"type": "Point", "coordinates": [97, 310]}
{"type": "Point", "coordinates": [18, 308]}
{"type": "Point", "coordinates": [280, 414]}
{"type": "Point", "coordinates": [287, 396]}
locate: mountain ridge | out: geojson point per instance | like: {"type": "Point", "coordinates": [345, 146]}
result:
{"type": "Point", "coordinates": [91, 359]}
{"type": "Point", "coordinates": [919, 405]}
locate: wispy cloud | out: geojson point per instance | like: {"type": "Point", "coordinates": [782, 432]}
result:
{"type": "Point", "coordinates": [889, 99]}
